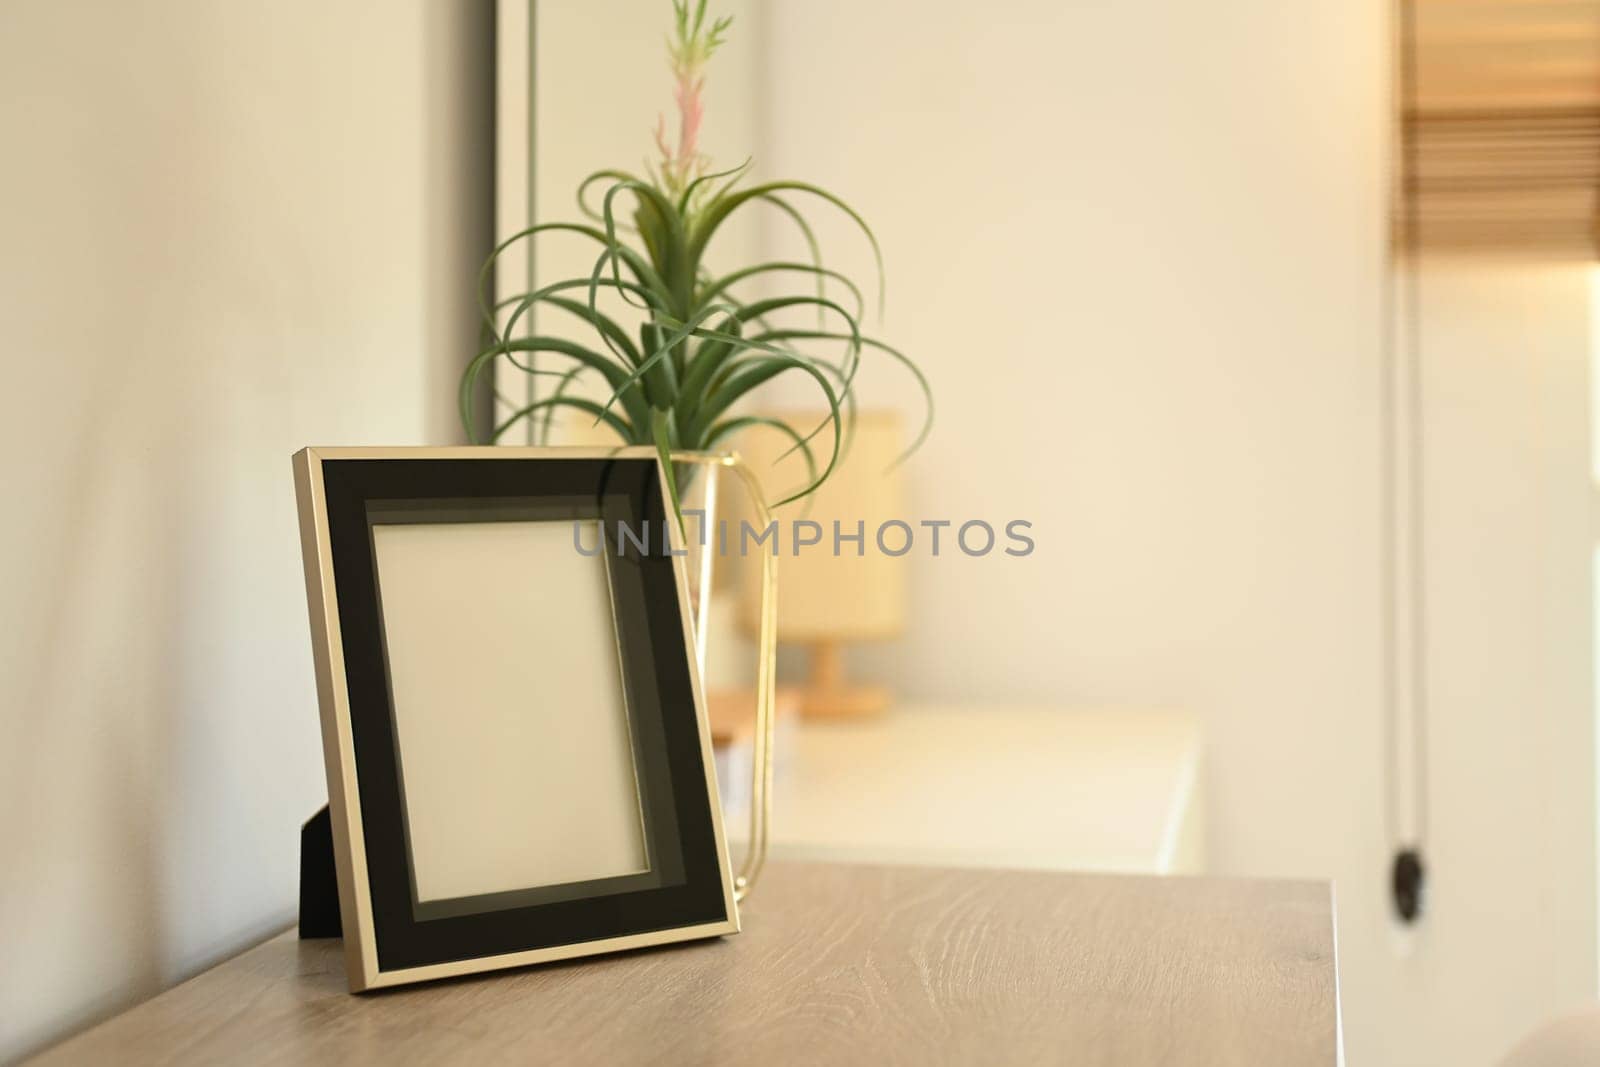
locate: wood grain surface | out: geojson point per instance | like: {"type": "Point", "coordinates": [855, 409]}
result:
{"type": "Point", "coordinates": [837, 965]}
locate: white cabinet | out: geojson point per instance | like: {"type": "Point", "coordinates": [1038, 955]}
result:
{"type": "Point", "coordinates": [982, 786]}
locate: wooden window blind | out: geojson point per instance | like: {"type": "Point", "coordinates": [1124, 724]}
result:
{"type": "Point", "coordinates": [1500, 125]}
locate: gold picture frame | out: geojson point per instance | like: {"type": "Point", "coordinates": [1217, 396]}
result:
{"type": "Point", "coordinates": [354, 500]}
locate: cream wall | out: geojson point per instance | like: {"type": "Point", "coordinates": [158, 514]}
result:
{"type": "Point", "coordinates": [229, 230]}
{"type": "Point", "coordinates": [1138, 249]}
{"type": "Point", "coordinates": [1512, 797]}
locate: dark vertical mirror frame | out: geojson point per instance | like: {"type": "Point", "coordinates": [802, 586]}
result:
{"type": "Point", "coordinates": [686, 891]}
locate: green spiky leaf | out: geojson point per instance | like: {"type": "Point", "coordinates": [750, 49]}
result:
{"type": "Point", "coordinates": [668, 350]}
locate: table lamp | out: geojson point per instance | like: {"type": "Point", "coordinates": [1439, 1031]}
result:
{"type": "Point", "coordinates": [836, 591]}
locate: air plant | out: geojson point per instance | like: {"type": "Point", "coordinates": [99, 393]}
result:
{"type": "Point", "coordinates": [698, 348]}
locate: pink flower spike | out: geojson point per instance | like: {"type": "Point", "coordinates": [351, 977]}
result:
{"type": "Point", "coordinates": [689, 49]}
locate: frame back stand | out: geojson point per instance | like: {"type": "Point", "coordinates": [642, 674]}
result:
{"type": "Point", "coordinates": [319, 888]}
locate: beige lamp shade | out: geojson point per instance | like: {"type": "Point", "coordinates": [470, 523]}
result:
{"type": "Point", "coordinates": [857, 593]}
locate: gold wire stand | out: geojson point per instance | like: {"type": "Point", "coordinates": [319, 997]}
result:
{"type": "Point", "coordinates": [766, 672]}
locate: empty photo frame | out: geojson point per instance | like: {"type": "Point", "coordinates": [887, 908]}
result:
{"type": "Point", "coordinates": [519, 763]}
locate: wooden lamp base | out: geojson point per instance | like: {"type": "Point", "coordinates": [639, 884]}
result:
{"type": "Point", "coordinates": [827, 695]}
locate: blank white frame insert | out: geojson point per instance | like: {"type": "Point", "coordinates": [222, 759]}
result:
{"type": "Point", "coordinates": [515, 751]}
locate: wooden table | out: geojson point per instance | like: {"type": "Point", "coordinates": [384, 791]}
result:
{"type": "Point", "coordinates": [836, 965]}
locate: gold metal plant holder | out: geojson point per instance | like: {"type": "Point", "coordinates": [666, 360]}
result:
{"type": "Point", "coordinates": [766, 672]}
